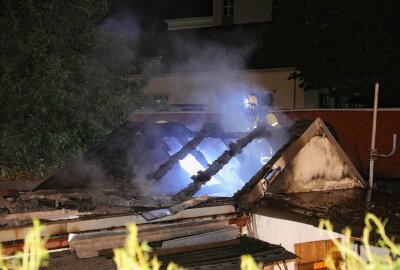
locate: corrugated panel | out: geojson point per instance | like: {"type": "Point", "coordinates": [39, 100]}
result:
{"type": "Point", "coordinates": [227, 256]}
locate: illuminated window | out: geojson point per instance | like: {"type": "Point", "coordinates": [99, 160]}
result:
{"type": "Point", "coordinates": [228, 7]}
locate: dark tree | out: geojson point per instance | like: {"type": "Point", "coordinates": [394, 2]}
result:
{"type": "Point", "coordinates": [62, 81]}
{"type": "Point", "coordinates": [344, 46]}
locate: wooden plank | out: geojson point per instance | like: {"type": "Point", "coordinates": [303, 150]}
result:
{"type": "Point", "coordinates": [89, 244]}
{"type": "Point", "coordinates": [107, 221]}
{"type": "Point", "coordinates": [314, 265]}
{"type": "Point", "coordinates": [187, 249]}
{"type": "Point", "coordinates": [47, 215]}
{"type": "Point", "coordinates": [159, 213]}
{"type": "Point", "coordinates": [52, 243]}
{"type": "Point", "coordinates": [312, 254]}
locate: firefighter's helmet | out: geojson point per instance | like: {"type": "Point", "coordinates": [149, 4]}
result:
{"type": "Point", "coordinates": [250, 102]}
{"type": "Point", "coordinates": [272, 120]}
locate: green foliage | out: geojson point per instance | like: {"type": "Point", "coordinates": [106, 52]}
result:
{"type": "Point", "coordinates": [344, 46]}
{"type": "Point", "coordinates": [248, 263]}
{"type": "Point", "coordinates": [34, 253]}
{"type": "Point", "coordinates": [351, 259]}
{"type": "Point", "coordinates": [135, 256]}
{"type": "Point", "coordinates": [62, 81]}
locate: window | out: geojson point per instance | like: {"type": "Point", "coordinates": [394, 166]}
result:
{"type": "Point", "coordinates": [228, 7]}
{"type": "Point", "coordinates": [160, 98]}
{"type": "Point", "coordinates": [338, 102]}
{"type": "Point", "coordinates": [323, 100]}
{"type": "Point", "coordinates": [268, 98]}
{"type": "Point", "coordinates": [271, 98]}
{"type": "Point", "coordinates": [161, 101]}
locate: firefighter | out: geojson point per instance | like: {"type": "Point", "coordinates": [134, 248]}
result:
{"type": "Point", "coordinates": [272, 120]}
{"type": "Point", "coordinates": [252, 111]}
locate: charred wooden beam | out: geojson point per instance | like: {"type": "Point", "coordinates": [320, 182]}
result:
{"type": "Point", "coordinates": [196, 153]}
{"type": "Point", "coordinates": [184, 151]}
{"type": "Point", "coordinates": [234, 148]}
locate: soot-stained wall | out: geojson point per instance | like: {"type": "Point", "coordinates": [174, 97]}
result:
{"type": "Point", "coordinates": [317, 166]}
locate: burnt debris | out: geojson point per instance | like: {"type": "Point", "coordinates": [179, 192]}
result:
{"type": "Point", "coordinates": [189, 147]}
{"type": "Point", "coordinates": [234, 148]}
{"type": "Point", "coordinates": [129, 152]}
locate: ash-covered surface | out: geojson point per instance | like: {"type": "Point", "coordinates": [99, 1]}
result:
{"type": "Point", "coordinates": [46, 204]}
{"type": "Point", "coordinates": [117, 172]}
{"type": "Point", "coordinates": [15, 211]}
{"type": "Point", "coordinates": [66, 260]}
{"type": "Point", "coordinates": [127, 154]}
{"type": "Point", "coordinates": [135, 156]}
{"type": "Point", "coordinates": [342, 207]}
{"type": "Point", "coordinates": [215, 201]}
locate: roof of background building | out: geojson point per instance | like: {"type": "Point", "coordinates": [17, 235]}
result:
{"type": "Point", "coordinates": [342, 207]}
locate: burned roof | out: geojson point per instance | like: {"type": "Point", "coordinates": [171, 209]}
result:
{"type": "Point", "coordinates": [343, 208]}
{"type": "Point", "coordinates": [118, 156]}
{"type": "Point", "coordinates": [144, 155]}
{"type": "Point", "coordinates": [133, 150]}
{"type": "Point", "coordinates": [225, 255]}
{"type": "Point", "coordinates": [137, 145]}
{"type": "Point", "coordinates": [279, 175]}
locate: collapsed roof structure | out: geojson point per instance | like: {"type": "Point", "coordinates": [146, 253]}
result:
{"type": "Point", "coordinates": [144, 180]}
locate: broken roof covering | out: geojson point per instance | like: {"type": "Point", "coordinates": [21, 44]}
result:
{"type": "Point", "coordinates": [120, 156]}
{"type": "Point", "coordinates": [88, 203]}
{"type": "Point", "coordinates": [301, 133]}
{"type": "Point", "coordinates": [343, 208]}
{"type": "Point", "coordinates": [225, 255]}
{"type": "Point", "coordinates": [174, 154]}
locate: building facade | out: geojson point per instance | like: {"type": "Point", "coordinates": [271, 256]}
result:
{"type": "Point", "coordinates": [217, 90]}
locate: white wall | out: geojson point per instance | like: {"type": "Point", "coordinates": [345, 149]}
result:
{"type": "Point", "coordinates": [245, 11]}
{"type": "Point", "coordinates": [214, 89]}
{"type": "Point", "coordinates": [286, 233]}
